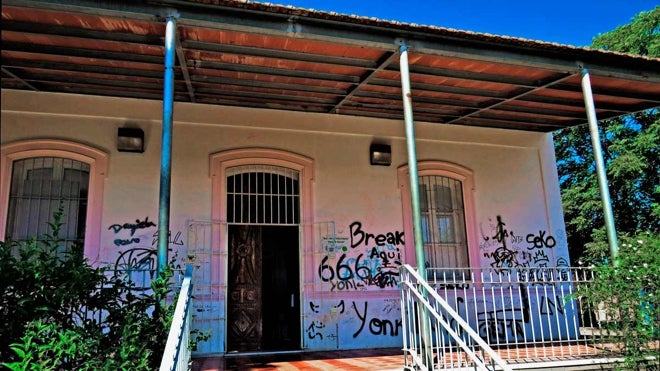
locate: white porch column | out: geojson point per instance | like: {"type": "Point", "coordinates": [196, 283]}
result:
{"type": "Point", "coordinates": [412, 161]}
{"type": "Point", "coordinates": [600, 166]}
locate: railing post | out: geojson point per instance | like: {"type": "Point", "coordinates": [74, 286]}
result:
{"type": "Point", "coordinates": [176, 352]}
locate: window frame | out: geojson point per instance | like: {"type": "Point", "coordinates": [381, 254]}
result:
{"type": "Point", "coordinates": [449, 170]}
{"type": "Point", "coordinates": [98, 163]}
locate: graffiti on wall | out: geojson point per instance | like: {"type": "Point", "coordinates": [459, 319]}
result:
{"type": "Point", "coordinates": [139, 224]}
{"type": "Point", "coordinates": [343, 321]}
{"type": "Point", "coordinates": [122, 229]}
{"type": "Point", "coordinates": [377, 325]}
{"type": "Point", "coordinates": [505, 250]}
{"type": "Point", "coordinates": [139, 255]}
{"type": "Point", "coordinates": [365, 261]}
{"type": "Point", "coordinates": [530, 314]}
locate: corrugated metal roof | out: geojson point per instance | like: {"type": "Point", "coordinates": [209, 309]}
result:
{"type": "Point", "coordinates": [279, 57]}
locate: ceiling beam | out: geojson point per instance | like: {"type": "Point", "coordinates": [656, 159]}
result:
{"type": "Point", "coordinates": [276, 71]}
{"type": "Point", "coordinates": [67, 66]}
{"type": "Point", "coordinates": [13, 76]}
{"type": "Point", "coordinates": [201, 78]}
{"type": "Point", "coordinates": [365, 79]}
{"type": "Point", "coordinates": [183, 64]}
{"type": "Point", "coordinates": [79, 32]}
{"type": "Point", "coordinates": [279, 54]}
{"type": "Point", "coordinates": [549, 82]}
{"type": "Point", "coordinates": [80, 52]}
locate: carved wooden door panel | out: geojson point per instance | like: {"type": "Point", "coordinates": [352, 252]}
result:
{"type": "Point", "coordinates": [244, 330]}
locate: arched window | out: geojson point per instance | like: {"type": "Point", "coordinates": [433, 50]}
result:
{"type": "Point", "coordinates": [39, 176]}
{"type": "Point", "coordinates": [447, 214]}
{"type": "Point", "coordinates": [263, 194]}
{"type": "Point", "coordinates": [292, 174]}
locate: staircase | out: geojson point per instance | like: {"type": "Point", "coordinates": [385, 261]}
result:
{"type": "Point", "coordinates": [518, 319]}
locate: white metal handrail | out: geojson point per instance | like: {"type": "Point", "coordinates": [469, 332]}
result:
{"type": "Point", "coordinates": [525, 314]}
{"type": "Point", "coordinates": [418, 312]}
{"type": "Point", "coordinates": [176, 356]}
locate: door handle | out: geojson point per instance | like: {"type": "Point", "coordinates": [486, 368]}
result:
{"type": "Point", "coordinates": [293, 300]}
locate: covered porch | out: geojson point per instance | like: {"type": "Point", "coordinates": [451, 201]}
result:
{"type": "Point", "coordinates": [309, 89]}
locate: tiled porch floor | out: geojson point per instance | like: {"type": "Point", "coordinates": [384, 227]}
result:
{"type": "Point", "coordinates": [346, 360]}
{"type": "Point", "coordinates": [387, 359]}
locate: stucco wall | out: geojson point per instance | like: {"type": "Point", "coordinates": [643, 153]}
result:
{"type": "Point", "coordinates": [515, 179]}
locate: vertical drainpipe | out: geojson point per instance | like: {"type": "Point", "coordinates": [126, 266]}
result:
{"type": "Point", "coordinates": [600, 166]}
{"type": "Point", "coordinates": [166, 146]}
{"type": "Point", "coordinates": [412, 161]}
{"type": "Point", "coordinates": [406, 94]}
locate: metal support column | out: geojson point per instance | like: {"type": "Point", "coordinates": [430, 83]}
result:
{"type": "Point", "coordinates": [600, 166]}
{"type": "Point", "coordinates": [166, 146]}
{"type": "Point", "coordinates": [406, 95]}
{"type": "Point", "coordinates": [412, 161]}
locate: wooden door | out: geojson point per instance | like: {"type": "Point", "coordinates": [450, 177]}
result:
{"type": "Point", "coordinates": [281, 288]}
{"type": "Point", "coordinates": [244, 327]}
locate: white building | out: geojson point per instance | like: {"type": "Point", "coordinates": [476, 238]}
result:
{"type": "Point", "coordinates": [297, 237]}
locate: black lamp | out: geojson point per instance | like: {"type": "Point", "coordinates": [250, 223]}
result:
{"type": "Point", "coordinates": [130, 140]}
{"type": "Point", "coordinates": [380, 154]}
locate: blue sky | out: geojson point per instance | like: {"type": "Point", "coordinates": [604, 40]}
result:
{"type": "Point", "coordinates": [573, 22]}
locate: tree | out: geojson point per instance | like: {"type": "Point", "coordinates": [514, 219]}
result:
{"type": "Point", "coordinates": [641, 36]}
{"type": "Point", "coordinates": [631, 150]}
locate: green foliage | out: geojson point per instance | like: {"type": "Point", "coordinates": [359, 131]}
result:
{"type": "Point", "coordinates": [628, 296]}
{"type": "Point", "coordinates": [46, 297]}
{"type": "Point", "coordinates": [631, 149]}
{"type": "Point", "coordinates": [641, 36]}
{"type": "Point", "coordinates": [39, 281]}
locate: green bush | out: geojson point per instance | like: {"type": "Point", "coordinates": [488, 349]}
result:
{"type": "Point", "coordinates": [46, 297]}
{"type": "Point", "coordinates": [628, 296]}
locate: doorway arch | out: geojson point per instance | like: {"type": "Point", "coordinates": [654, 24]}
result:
{"type": "Point", "coordinates": [263, 198]}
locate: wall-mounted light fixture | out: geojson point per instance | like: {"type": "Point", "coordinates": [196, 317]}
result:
{"type": "Point", "coordinates": [380, 154]}
{"type": "Point", "coordinates": [130, 140]}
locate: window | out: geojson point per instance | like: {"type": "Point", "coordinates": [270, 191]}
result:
{"type": "Point", "coordinates": [39, 186]}
{"type": "Point", "coordinates": [263, 194]}
{"type": "Point", "coordinates": [254, 178]}
{"type": "Point", "coordinates": [39, 175]}
{"type": "Point", "coordinates": [447, 214]}
{"type": "Point", "coordinates": [443, 222]}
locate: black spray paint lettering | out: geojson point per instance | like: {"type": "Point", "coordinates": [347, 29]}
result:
{"type": "Point", "coordinates": [313, 331]}
{"type": "Point", "coordinates": [356, 275]}
{"type": "Point", "coordinates": [501, 324]}
{"type": "Point", "coordinates": [172, 241]}
{"type": "Point", "coordinates": [562, 267]}
{"type": "Point", "coordinates": [340, 305]}
{"type": "Point", "coordinates": [503, 258]}
{"type": "Point", "coordinates": [500, 232]}
{"type": "Point", "coordinates": [343, 285]}
{"type": "Point", "coordinates": [358, 237]}
{"type": "Point", "coordinates": [540, 241]}
{"type": "Point", "coordinates": [133, 227]}
{"type": "Point", "coordinates": [128, 241]}
{"type": "Point", "coordinates": [136, 258]}
{"type": "Point", "coordinates": [385, 278]}
{"type": "Point", "coordinates": [550, 306]}
{"type": "Point", "coordinates": [386, 257]}
{"type": "Point", "coordinates": [541, 257]}
{"type": "Point", "coordinates": [377, 326]}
